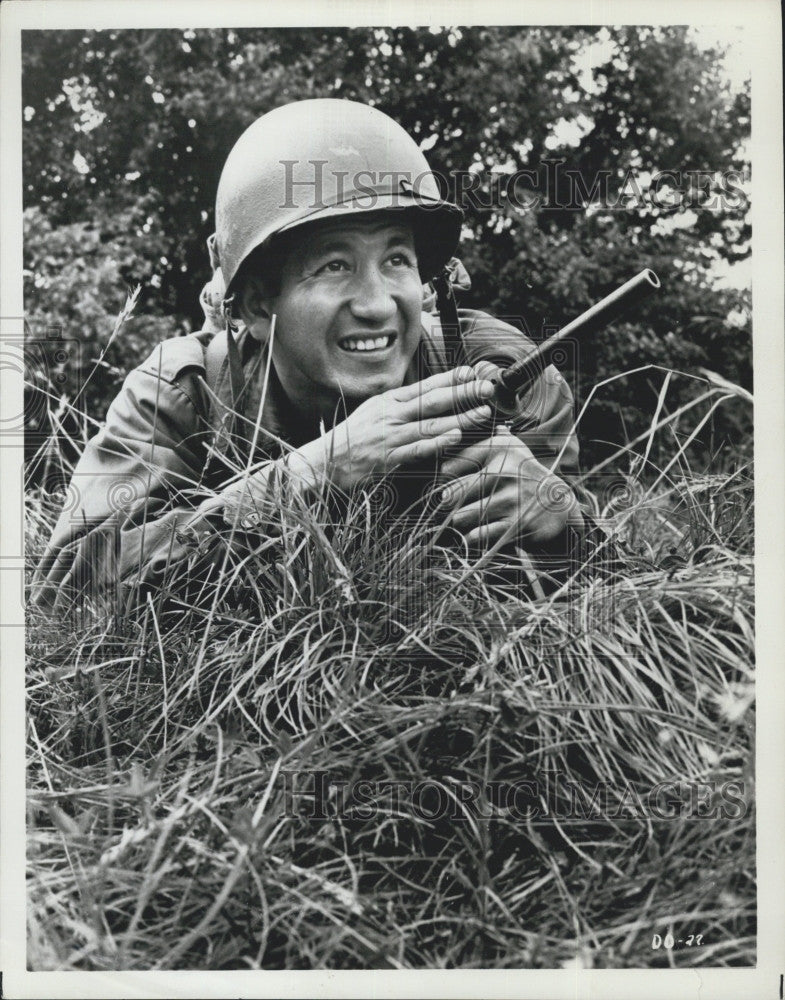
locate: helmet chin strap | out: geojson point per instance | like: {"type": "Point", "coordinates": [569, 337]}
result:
{"type": "Point", "coordinates": [448, 317]}
{"type": "Point", "coordinates": [226, 311]}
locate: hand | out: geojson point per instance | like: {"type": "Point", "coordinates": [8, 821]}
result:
{"type": "Point", "coordinates": [399, 427]}
{"type": "Point", "coordinates": [497, 485]}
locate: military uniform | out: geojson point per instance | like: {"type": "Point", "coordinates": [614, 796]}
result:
{"type": "Point", "coordinates": [148, 499]}
{"type": "Point", "coordinates": [148, 487]}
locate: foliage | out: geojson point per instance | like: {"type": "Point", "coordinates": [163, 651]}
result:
{"type": "Point", "coordinates": [162, 834]}
{"type": "Point", "coordinates": [126, 132]}
{"type": "Point", "coordinates": [81, 277]}
{"type": "Point", "coordinates": [159, 833]}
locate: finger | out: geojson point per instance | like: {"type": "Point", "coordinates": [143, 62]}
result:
{"type": "Point", "coordinates": [470, 459]}
{"type": "Point", "coordinates": [468, 421]}
{"type": "Point", "coordinates": [523, 509]}
{"type": "Point", "coordinates": [486, 369]}
{"type": "Point", "coordinates": [409, 433]}
{"type": "Point", "coordinates": [481, 430]}
{"type": "Point", "coordinates": [455, 376]}
{"type": "Point", "coordinates": [503, 450]}
{"type": "Point", "coordinates": [486, 535]}
{"type": "Point", "coordinates": [478, 488]}
{"type": "Point", "coordinates": [490, 479]}
{"type": "Point", "coordinates": [423, 448]}
{"type": "Point", "coordinates": [480, 452]}
{"type": "Point", "coordinates": [480, 468]}
{"type": "Point", "coordinates": [527, 492]}
{"type": "Point", "coordinates": [458, 490]}
{"type": "Point", "coordinates": [446, 399]}
{"type": "Point", "coordinates": [499, 506]}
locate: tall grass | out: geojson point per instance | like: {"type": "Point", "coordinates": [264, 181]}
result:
{"type": "Point", "coordinates": [164, 747]}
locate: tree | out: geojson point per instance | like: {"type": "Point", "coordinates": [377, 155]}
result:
{"type": "Point", "coordinates": [126, 133]}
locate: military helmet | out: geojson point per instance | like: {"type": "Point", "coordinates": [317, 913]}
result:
{"type": "Point", "coordinates": [327, 158]}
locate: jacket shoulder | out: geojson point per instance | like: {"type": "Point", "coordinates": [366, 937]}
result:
{"type": "Point", "coordinates": [173, 358]}
{"type": "Point", "coordinates": [484, 336]}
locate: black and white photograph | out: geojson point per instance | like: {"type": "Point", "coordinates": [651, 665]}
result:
{"type": "Point", "coordinates": [390, 537]}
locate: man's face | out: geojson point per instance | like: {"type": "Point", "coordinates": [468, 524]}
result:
{"type": "Point", "coordinates": [348, 314]}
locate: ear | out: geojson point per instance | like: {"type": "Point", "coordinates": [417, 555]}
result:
{"type": "Point", "coordinates": [254, 308]}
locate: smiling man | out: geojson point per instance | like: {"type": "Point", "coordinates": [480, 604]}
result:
{"type": "Point", "coordinates": [348, 310]}
{"type": "Point", "coordinates": [320, 366]}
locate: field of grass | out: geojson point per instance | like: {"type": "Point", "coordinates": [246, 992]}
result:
{"type": "Point", "coordinates": [170, 753]}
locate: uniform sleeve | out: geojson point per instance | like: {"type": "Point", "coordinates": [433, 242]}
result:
{"type": "Point", "coordinates": [545, 422]}
{"type": "Point", "coordinates": [545, 417]}
{"type": "Point", "coordinates": [137, 512]}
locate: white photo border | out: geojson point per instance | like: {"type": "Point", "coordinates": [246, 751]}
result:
{"type": "Point", "coordinates": [762, 21]}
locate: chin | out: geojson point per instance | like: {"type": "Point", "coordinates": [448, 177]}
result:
{"type": "Point", "coordinates": [360, 389]}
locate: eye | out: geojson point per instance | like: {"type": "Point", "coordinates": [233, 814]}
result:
{"type": "Point", "coordinates": [334, 266]}
{"type": "Point", "coordinates": [402, 258]}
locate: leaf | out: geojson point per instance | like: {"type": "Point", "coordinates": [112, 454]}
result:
{"type": "Point", "coordinates": [64, 823]}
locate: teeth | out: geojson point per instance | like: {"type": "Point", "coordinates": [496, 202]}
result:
{"type": "Point", "coordinates": [371, 344]}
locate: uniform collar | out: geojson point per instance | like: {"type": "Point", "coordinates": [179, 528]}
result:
{"type": "Point", "coordinates": [280, 419]}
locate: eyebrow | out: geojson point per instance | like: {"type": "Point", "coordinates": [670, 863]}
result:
{"type": "Point", "coordinates": [329, 243]}
{"type": "Point", "coordinates": [333, 241]}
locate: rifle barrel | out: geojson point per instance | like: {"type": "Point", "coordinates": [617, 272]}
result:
{"type": "Point", "coordinates": [521, 375]}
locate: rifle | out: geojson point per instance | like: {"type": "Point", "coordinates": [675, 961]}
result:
{"type": "Point", "coordinates": [510, 382]}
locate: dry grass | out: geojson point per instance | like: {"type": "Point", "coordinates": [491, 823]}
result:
{"type": "Point", "coordinates": [159, 834]}
{"type": "Point", "coordinates": [161, 743]}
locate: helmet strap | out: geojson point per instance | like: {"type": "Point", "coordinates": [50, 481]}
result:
{"type": "Point", "coordinates": [231, 322]}
{"type": "Point", "coordinates": [448, 317]}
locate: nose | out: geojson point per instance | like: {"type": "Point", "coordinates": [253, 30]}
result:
{"type": "Point", "coordinates": [372, 300]}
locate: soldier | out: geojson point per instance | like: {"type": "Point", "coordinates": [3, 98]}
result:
{"type": "Point", "coordinates": [318, 363]}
